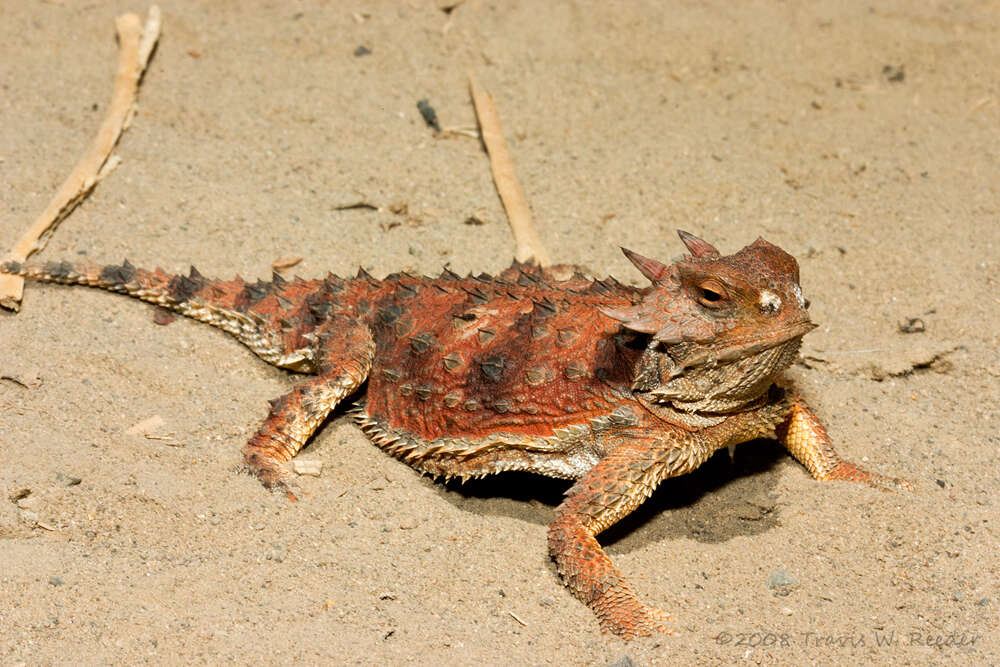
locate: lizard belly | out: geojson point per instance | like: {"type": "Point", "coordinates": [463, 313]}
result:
{"type": "Point", "coordinates": [567, 453]}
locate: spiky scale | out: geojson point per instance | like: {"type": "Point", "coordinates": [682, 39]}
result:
{"type": "Point", "coordinates": [120, 275]}
{"type": "Point", "coordinates": [478, 296]}
{"type": "Point", "coordinates": [544, 307]}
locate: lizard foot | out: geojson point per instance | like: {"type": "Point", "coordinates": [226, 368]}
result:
{"type": "Point", "coordinates": [847, 471]}
{"type": "Point", "coordinates": [272, 475]}
{"type": "Point", "coordinates": [628, 618]}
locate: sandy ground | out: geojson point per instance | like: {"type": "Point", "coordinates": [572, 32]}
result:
{"type": "Point", "coordinates": [864, 140]}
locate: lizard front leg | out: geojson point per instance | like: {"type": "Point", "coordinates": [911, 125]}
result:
{"type": "Point", "coordinates": [807, 440]}
{"type": "Point", "coordinates": [343, 352]}
{"type": "Point", "coordinates": [608, 492]}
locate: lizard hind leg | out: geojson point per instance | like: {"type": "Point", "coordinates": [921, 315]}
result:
{"type": "Point", "coordinates": [344, 350]}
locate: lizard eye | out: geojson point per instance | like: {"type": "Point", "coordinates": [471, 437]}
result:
{"type": "Point", "coordinates": [711, 294]}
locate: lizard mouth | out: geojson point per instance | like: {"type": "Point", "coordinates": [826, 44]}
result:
{"type": "Point", "coordinates": [688, 355]}
{"type": "Point", "coordinates": [718, 380]}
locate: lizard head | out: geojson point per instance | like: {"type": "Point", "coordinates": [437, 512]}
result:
{"type": "Point", "coordinates": [720, 327]}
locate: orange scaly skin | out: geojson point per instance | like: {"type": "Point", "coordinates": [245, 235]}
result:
{"type": "Point", "coordinates": [615, 387]}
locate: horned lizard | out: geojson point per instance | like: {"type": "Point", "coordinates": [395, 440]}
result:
{"type": "Point", "coordinates": [612, 386]}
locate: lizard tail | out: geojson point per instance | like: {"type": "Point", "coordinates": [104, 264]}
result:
{"type": "Point", "coordinates": [174, 292]}
{"type": "Point", "coordinates": [209, 301]}
{"type": "Point", "coordinates": [254, 313]}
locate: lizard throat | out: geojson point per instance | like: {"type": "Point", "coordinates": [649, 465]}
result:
{"type": "Point", "coordinates": [719, 387]}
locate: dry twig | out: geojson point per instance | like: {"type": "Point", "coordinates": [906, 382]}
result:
{"type": "Point", "coordinates": [283, 263]}
{"type": "Point", "coordinates": [135, 45]}
{"type": "Point", "coordinates": [527, 243]}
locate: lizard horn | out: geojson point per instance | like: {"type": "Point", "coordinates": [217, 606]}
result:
{"type": "Point", "coordinates": [697, 247]}
{"type": "Point", "coordinates": [650, 268]}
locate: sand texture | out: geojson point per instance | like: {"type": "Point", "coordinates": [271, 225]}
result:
{"type": "Point", "coordinates": [861, 137]}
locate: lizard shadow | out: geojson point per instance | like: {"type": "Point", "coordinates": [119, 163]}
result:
{"type": "Point", "coordinates": [715, 503]}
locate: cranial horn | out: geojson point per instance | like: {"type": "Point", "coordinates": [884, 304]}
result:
{"type": "Point", "coordinates": [697, 247]}
{"type": "Point", "coordinates": [650, 268]}
{"type": "Point", "coordinates": [631, 318]}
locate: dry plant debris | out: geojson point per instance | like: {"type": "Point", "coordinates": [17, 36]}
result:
{"type": "Point", "coordinates": [527, 243]}
{"type": "Point", "coordinates": [135, 45]}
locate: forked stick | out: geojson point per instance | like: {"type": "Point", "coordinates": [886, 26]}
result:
{"type": "Point", "coordinates": [527, 243]}
{"type": "Point", "coordinates": [135, 45]}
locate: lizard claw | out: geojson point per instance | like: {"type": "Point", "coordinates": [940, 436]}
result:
{"type": "Point", "coordinates": [849, 472]}
{"type": "Point", "coordinates": [273, 476]}
{"type": "Point", "coordinates": [290, 495]}
{"type": "Point", "coordinates": [287, 486]}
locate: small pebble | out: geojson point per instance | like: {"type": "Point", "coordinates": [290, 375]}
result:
{"type": "Point", "coordinates": [781, 582]}
{"type": "Point", "coordinates": [307, 467]}
{"type": "Point", "coordinates": [68, 480]}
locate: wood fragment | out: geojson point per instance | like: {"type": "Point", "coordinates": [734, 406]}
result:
{"type": "Point", "coordinates": [356, 205]}
{"type": "Point", "coordinates": [983, 102]}
{"type": "Point", "coordinates": [528, 245]}
{"type": "Point", "coordinates": [283, 263]}
{"type": "Point", "coordinates": [448, 6]}
{"type": "Point", "coordinates": [135, 45]}
{"type": "Point", "coordinates": [15, 380]}
{"type": "Point", "coordinates": [169, 440]}
{"type": "Point", "coordinates": [470, 132]}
